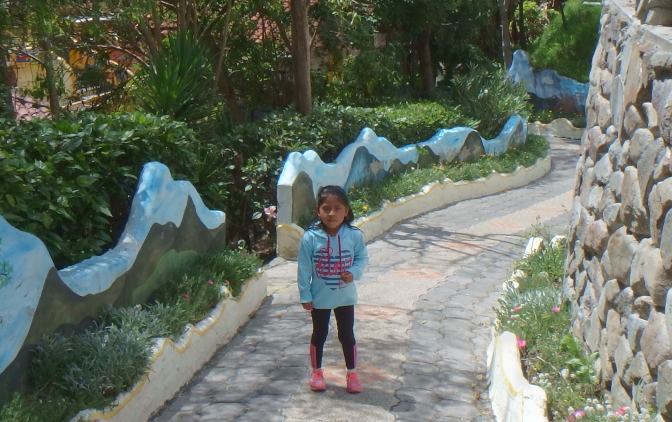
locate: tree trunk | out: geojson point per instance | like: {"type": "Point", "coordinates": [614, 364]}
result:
{"type": "Point", "coordinates": [225, 88]}
{"type": "Point", "coordinates": [301, 56]}
{"type": "Point", "coordinates": [425, 57]}
{"type": "Point", "coordinates": [50, 77]}
{"type": "Point", "coordinates": [521, 24]}
{"type": "Point", "coordinates": [7, 81]}
{"type": "Point", "coordinates": [503, 6]}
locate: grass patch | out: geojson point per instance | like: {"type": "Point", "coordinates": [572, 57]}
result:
{"type": "Point", "coordinates": [368, 199]}
{"type": "Point", "coordinates": [533, 308]}
{"type": "Point", "coordinates": [89, 370]}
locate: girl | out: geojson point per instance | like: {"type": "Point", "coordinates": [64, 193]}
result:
{"type": "Point", "coordinates": [331, 257]}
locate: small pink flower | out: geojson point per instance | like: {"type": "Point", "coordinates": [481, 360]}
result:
{"type": "Point", "coordinates": [514, 316]}
{"type": "Point", "coordinates": [227, 282]}
{"type": "Point", "coordinates": [271, 211]}
{"type": "Point", "coordinates": [621, 410]}
{"type": "Point", "coordinates": [579, 414]}
{"type": "Point", "coordinates": [521, 343]}
{"type": "Point", "coordinates": [516, 308]}
{"type": "Point", "coordinates": [210, 282]}
{"type": "Point", "coordinates": [555, 309]}
{"type": "Point", "coordinates": [186, 296]}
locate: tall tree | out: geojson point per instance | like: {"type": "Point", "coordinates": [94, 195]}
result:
{"type": "Point", "coordinates": [6, 79]}
{"type": "Point", "coordinates": [503, 7]}
{"type": "Point", "coordinates": [301, 56]}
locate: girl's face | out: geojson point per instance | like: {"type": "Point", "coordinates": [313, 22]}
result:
{"type": "Point", "coordinates": [332, 213]}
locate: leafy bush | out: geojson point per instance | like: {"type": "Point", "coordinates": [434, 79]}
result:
{"type": "Point", "coordinates": [256, 152]}
{"type": "Point", "coordinates": [95, 366]}
{"type": "Point", "coordinates": [489, 97]}
{"type": "Point", "coordinates": [354, 85]}
{"type": "Point", "coordinates": [70, 181]}
{"type": "Point", "coordinates": [568, 47]}
{"type": "Point", "coordinates": [199, 288]}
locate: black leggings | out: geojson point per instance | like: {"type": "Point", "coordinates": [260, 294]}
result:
{"type": "Point", "coordinates": [345, 321]}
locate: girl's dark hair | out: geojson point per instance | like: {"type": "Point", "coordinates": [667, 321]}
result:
{"type": "Point", "coordinates": [338, 193]}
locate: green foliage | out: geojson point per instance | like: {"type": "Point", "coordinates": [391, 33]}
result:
{"type": "Point", "coordinates": [178, 82]}
{"type": "Point", "coordinates": [532, 307]}
{"type": "Point", "coordinates": [94, 367]}
{"type": "Point", "coordinates": [487, 95]}
{"type": "Point", "coordinates": [547, 262]}
{"type": "Point", "coordinates": [199, 288]}
{"type": "Point", "coordinates": [70, 181]}
{"type": "Point", "coordinates": [354, 85]}
{"type": "Point", "coordinates": [154, 320]}
{"type": "Point", "coordinates": [367, 199]}
{"type": "Point", "coordinates": [579, 363]}
{"type": "Point", "coordinates": [89, 370]}
{"type": "Point", "coordinates": [261, 148]}
{"type": "Point", "coordinates": [535, 19]}
{"type": "Point", "coordinates": [568, 48]}
{"type": "Point", "coordinates": [21, 409]}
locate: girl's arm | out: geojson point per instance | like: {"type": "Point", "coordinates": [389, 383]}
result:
{"type": "Point", "coordinates": [305, 272]}
{"type": "Point", "coordinates": [361, 257]}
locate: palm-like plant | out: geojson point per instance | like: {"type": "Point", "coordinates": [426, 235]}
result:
{"type": "Point", "coordinates": [178, 80]}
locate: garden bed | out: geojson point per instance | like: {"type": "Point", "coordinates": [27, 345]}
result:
{"type": "Point", "coordinates": [175, 363]}
{"type": "Point", "coordinates": [432, 196]}
{"type": "Point", "coordinates": [532, 340]}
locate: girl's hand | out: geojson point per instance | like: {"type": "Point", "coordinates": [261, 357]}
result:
{"type": "Point", "coordinates": [308, 306]}
{"type": "Point", "coordinates": [346, 276]}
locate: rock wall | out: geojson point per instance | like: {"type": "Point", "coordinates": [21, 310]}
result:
{"type": "Point", "coordinates": [619, 266]}
{"type": "Point", "coordinates": [168, 225]}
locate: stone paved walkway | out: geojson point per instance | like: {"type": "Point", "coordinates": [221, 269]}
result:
{"type": "Point", "coordinates": [423, 322]}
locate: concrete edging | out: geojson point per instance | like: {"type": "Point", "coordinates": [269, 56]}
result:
{"type": "Point", "coordinates": [432, 196]}
{"type": "Point", "coordinates": [558, 127]}
{"type": "Point", "coordinates": [173, 364]}
{"type": "Point", "coordinates": [512, 397]}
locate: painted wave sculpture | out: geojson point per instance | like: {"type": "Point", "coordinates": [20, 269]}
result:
{"type": "Point", "coordinates": [371, 158]}
{"type": "Point", "coordinates": [167, 218]}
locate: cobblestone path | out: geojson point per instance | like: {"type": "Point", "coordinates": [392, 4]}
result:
{"type": "Point", "coordinates": [423, 322]}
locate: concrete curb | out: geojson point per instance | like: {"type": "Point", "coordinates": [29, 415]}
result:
{"type": "Point", "coordinates": [175, 363]}
{"type": "Point", "coordinates": [513, 398]}
{"type": "Point", "coordinates": [558, 127]}
{"type": "Point", "coordinates": [433, 196]}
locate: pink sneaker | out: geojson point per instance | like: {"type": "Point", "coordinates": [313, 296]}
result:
{"type": "Point", "coordinates": [317, 381]}
{"type": "Point", "coordinates": [354, 386]}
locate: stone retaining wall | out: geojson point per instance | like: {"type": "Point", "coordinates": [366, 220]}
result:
{"type": "Point", "coordinates": [619, 267]}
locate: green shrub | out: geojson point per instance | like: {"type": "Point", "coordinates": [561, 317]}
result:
{"type": "Point", "coordinates": [487, 96]}
{"type": "Point", "coordinates": [197, 289]}
{"type": "Point", "coordinates": [354, 86]}
{"type": "Point", "coordinates": [568, 48]}
{"type": "Point", "coordinates": [256, 152]}
{"type": "Point", "coordinates": [92, 368]}
{"type": "Point", "coordinates": [70, 181]}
